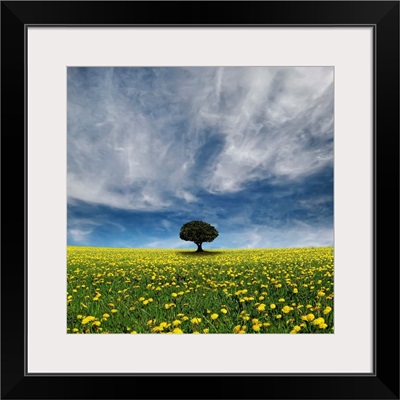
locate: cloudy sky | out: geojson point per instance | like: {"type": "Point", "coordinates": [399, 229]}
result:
{"type": "Point", "coordinates": [246, 149]}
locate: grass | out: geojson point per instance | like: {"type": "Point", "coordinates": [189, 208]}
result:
{"type": "Point", "coordinates": [226, 291]}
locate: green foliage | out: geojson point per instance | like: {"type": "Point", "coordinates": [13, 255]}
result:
{"type": "Point", "coordinates": [198, 232]}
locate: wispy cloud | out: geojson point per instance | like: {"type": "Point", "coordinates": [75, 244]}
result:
{"type": "Point", "coordinates": [140, 138]}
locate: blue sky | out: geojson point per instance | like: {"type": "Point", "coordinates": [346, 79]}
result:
{"type": "Point", "coordinates": [246, 149]}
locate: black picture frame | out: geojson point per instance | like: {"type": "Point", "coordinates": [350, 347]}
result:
{"type": "Point", "coordinates": [383, 383]}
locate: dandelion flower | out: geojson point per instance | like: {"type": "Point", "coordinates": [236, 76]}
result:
{"type": "Point", "coordinates": [114, 310]}
{"type": "Point", "coordinates": [195, 320]}
{"type": "Point", "coordinates": [214, 316]}
{"type": "Point", "coordinates": [327, 310]}
{"type": "Point", "coordinates": [88, 319]}
{"type": "Point", "coordinates": [224, 310]}
{"type": "Point", "coordinates": [272, 306]}
{"type": "Point", "coordinates": [310, 317]}
{"type": "Point", "coordinates": [177, 330]}
{"type": "Point", "coordinates": [296, 328]}
{"type": "Point", "coordinates": [318, 321]}
{"type": "Point", "coordinates": [261, 307]}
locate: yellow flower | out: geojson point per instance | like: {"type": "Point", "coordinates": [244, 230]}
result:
{"type": "Point", "coordinates": [321, 293]}
{"type": "Point", "coordinates": [206, 330]}
{"type": "Point", "coordinates": [105, 315]}
{"type": "Point", "coordinates": [114, 311]}
{"type": "Point", "coordinates": [133, 332]}
{"type": "Point", "coordinates": [287, 309]}
{"type": "Point", "coordinates": [261, 307]}
{"type": "Point", "coordinates": [236, 329]}
{"type": "Point", "coordinates": [195, 320]}
{"type": "Point", "coordinates": [293, 332]}
{"type": "Point", "coordinates": [79, 316]}
{"type": "Point", "coordinates": [169, 305]}
{"type": "Point", "coordinates": [318, 321]}
{"type": "Point", "coordinates": [140, 299]}
{"type": "Point", "coordinates": [281, 300]}
{"type": "Point", "coordinates": [145, 302]}
{"type": "Point", "coordinates": [88, 319]}
{"type": "Point", "coordinates": [224, 310]}
{"type": "Point", "coordinates": [327, 310]}
{"type": "Point", "coordinates": [266, 324]}
{"type": "Point", "coordinates": [310, 317]}
{"type": "Point", "coordinates": [279, 316]}
{"type": "Point", "coordinates": [177, 330]}
{"type": "Point", "coordinates": [296, 328]}
{"type": "Point", "coordinates": [295, 290]}
{"type": "Point", "coordinates": [323, 326]}
{"type": "Point", "coordinates": [96, 323]}
{"type": "Point", "coordinates": [176, 322]}
{"type": "Point", "coordinates": [196, 332]}
{"type": "Point", "coordinates": [174, 294]}
{"type": "Point", "coordinates": [214, 316]}
{"type": "Point", "coordinates": [75, 330]}
{"type": "Point", "coordinates": [272, 306]}
{"type": "Point", "coordinates": [256, 328]}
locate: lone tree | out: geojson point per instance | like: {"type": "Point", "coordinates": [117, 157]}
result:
{"type": "Point", "coordinates": [198, 232]}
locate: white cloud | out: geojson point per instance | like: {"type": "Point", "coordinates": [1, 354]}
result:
{"type": "Point", "coordinates": [299, 235]}
{"type": "Point", "coordinates": [138, 140]}
{"type": "Point", "coordinates": [79, 235]}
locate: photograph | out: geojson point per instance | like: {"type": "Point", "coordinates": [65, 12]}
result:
{"type": "Point", "coordinates": [200, 200]}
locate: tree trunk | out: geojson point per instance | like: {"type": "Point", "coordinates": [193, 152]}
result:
{"type": "Point", "coordinates": [199, 248]}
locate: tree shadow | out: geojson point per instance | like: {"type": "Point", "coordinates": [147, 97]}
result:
{"type": "Point", "coordinates": [194, 253]}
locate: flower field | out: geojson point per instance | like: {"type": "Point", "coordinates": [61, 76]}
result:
{"type": "Point", "coordinates": [227, 291]}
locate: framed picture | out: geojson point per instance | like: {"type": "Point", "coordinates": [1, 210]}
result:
{"type": "Point", "coordinates": [264, 135]}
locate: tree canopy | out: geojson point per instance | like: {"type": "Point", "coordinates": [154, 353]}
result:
{"type": "Point", "coordinates": [198, 232]}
